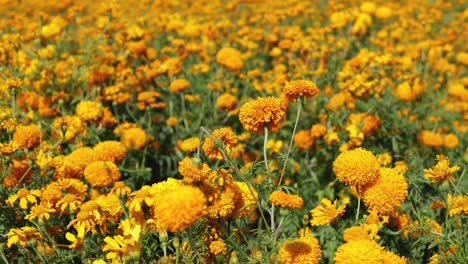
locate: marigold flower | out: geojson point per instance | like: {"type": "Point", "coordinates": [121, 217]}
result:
{"type": "Point", "coordinates": [134, 138]}
{"type": "Point", "coordinates": [102, 173]}
{"type": "Point", "coordinates": [318, 130]}
{"type": "Point", "coordinates": [226, 101]}
{"type": "Point", "coordinates": [431, 139]}
{"type": "Point", "coordinates": [27, 136]}
{"type": "Point", "coordinates": [457, 205]}
{"type": "Point", "coordinates": [359, 251]}
{"type": "Point", "coordinates": [441, 172]}
{"type": "Point", "coordinates": [356, 167]}
{"type": "Point", "coordinates": [249, 199]}
{"type": "Point", "coordinates": [296, 88]}
{"type": "Point", "coordinates": [120, 189]}
{"type": "Point", "coordinates": [149, 99]}
{"type": "Point", "coordinates": [254, 115]}
{"type": "Point", "coordinates": [303, 139]}
{"type": "Point", "coordinates": [18, 172]}
{"type": "Point", "coordinates": [383, 12]}
{"type": "Point", "coordinates": [230, 58]}
{"type": "Point", "coordinates": [451, 141]}
{"type": "Point", "coordinates": [172, 121]}
{"type": "Point", "coordinates": [283, 199]}
{"type": "Point", "coordinates": [363, 231]}
{"type": "Point", "coordinates": [194, 170]}
{"type": "Point", "coordinates": [327, 212]}
{"type": "Point", "coordinates": [69, 202]}
{"type": "Point", "coordinates": [399, 220]}
{"type": "Point", "coordinates": [22, 235]}
{"type": "Point", "coordinates": [224, 136]}
{"type": "Point", "coordinates": [40, 211]}
{"type": "Point", "coordinates": [89, 110]}
{"type": "Point", "coordinates": [174, 212]}
{"type": "Point", "coordinates": [386, 193]}
{"type": "Point", "coordinates": [223, 203]}
{"type": "Point", "coordinates": [300, 250]}
{"type": "Point", "coordinates": [68, 127]}
{"type": "Point", "coordinates": [218, 247]}
{"type": "Point", "coordinates": [25, 197]}
{"type": "Point", "coordinates": [110, 150]}
{"type": "Point", "coordinates": [179, 85]}
{"type": "Point", "coordinates": [190, 144]}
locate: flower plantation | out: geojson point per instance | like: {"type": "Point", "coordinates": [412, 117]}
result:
{"type": "Point", "coordinates": [241, 131]}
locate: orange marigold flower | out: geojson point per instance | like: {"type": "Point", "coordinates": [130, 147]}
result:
{"type": "Point", "coordinates": [102, 173]}
{"type": "Point", "coordinates": [300, 250]}
{"type": "Point", "coordinates": [399, 220]}
{"type": "Point", "coordinates": [194, 170]}
{"type": "Point", "coordinates": [318, 130]}
{"type": "Point", "coordinates": [386, 193]}
{"type": "Point", "coordinates": [218, 247]}
{"type": "Point", "coordinates": [457, 205]}
{"type": "Point", "coordinates": [296, 88]}
{"type": "Point", "coordinates": [223, 203]}
{"type": "Point", "coordinates": [27, 136]}
{"type": "Point", "coordinates": [89, 110]}
{"type": "Point", "coordinates": [179, 85]}
{"type": "Point", "coordinates": [134, 138]}
{"type": "Point", "coordinates": [149, 99]}
{"type": "Point", "coordinates": [226, 101]}
{"type": "Point", "coordinates": [254, 115]}
{"type": "Point", "coordinates": [18, 172]}
{"type": "Point", "coordinates": [110, 150]}
{"type": "Point", "coordinates": [356, 167]}
{"type": "Point", "coordinates": [442, 171]}
{"type": "Point", "coordinates": [174, 212]}
{"type": "Point", "coordinates": [327, 212]}
{"type": "Point", "coordinates": [358, 252]}
{"type": "Point", "coordinates": [223, 136]}
{"type": "Point", "coordinates": [431, 139]}
{"type": "Point", "coordinates": [283, 199]}
{"type": "Point", "coordinates": [190, 144]}
{"type": "Point", "coordinates": [370, 125]}
{"type": "Point", "coordinates": [303, 139]}
{"type": "Point", "coordinates": [172, 121]}
{"type": "Point", "coordinates": [230, 58]}
{"type": "Point", "coordinates": [363, 231]}
{"type": "Point", "coordinates": [68, 127]}
{"type": "Point", "coordinates": [451, 141]}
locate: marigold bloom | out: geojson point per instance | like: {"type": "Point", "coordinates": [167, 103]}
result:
{"type": "Point", "coordinates": [249, 199]}
{"type": "Point", "coordinates": [405, 92]}
{"type": "Point", "coordinates": [110, 150]}
{"type": "Point", "coordinates": [300, 250]}
{"type": "Point", "coordinates": [226, 101]}
{"type": "Point", "coordinates": [451, 141]}
{"type": "Point", "coordinates": [386, 193]}
{"type": "Point", "coordinates": [218, 247]}
{"type": "Point", "coordinates": [225, 136]}
{"type": "Point", "coordinates": [254, 115]}
{"type": "Point", "coordinates": [363, 231]}
{"type": "Point", "coordinates": [230, 58]}
{"type": "Point", "coordinates": [18, 172]}
{"type": "Point", "coordinates": [69, 202]}
{"type": "Point", "coordinates": [172, 121]}
{"type": "Point", "coordinates": [356, 167]}
{"type": "Point", "coordinates": [40, 211]}
{"type": "Point", "coordinates": [399, 220]}
{"type": "Point", "coordinates": [358, 252]}
{"type": "Point", "coordinates": [303, 139]}
{"type": "Point", "coordinates": [327, 212]}
{"type": "Point", "coordinates": [296, 88]}
{"type": "Point", "coordinates": [179, 85]}
{"type": "Point", "coordinates": [25, 197]}
{"type": "Point", "coordinates": [190, 144]}
{"type": "Point", "coordinates": [441, 172]}
{"type": "Point", "coordinates": [68, 127]}
{"type": "Point", "coordinates": [223, 203]}
{"type": "Point", "coordinates": [27, 136]}
{"type": "Point", "coordinates": [457, 205]}
{"type": "Point", "coordinates": [149, 99]}
{"type": "Point", "coordinates": [283, 199]}
{"type": "Point", "coordinates": [134, 138]}
{"type": "Point", "coordinates": [318, 130]}
{"type": "Point", "coordinates": [174, 212]}
{"type": "Point", "coordinates": [22, 235]}
{"type": "Point", "coordinates": [89, 110]}
{"type": "Point", "coordinates": [194, 170]}
{"type": "Point", "coordinates": [102, 173]}
{"type": "Point", "coordinates": [431, 139]}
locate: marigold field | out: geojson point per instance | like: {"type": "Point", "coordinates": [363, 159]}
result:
{"type": "Point", "coordinates": [242, 131]}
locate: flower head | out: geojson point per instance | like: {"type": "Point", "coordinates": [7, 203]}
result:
{"type": "Point", "coordinates": [22, 235]}
{"type": "Point", "coordinates": [89, 110]}
{"type": "Point", "coordinates": [224, 136]}
{"type": "Point", "coordinates": [356, 167]}
{"type": "Point", "coordinates": [25, 197]}
{"type": "Point", "coordinates": [296, 88]}
{"type": "Point", "coordinates": [326, 212]}
{"type": "Point", "coordinates": [364, 251]}
{"type": "Point", "coordinates": [283, 199]}
{"type": "Point", "coordinates": [301, 250]}
{"type": "Point", "coordinates": [442, 171]}
{"type": "Point", "coordinates": [110, 150]}
{"type": "Point", "coordinates": [230, 58]}
{"type": "Point", "coordinates": [179, 85]}
{"type": "Point", "coordinates": [194, 170]}
{"type": "Point", "coordinates": [256, 114]}
{"type": "Point", "coordinates": [27, 136]}
{"type": "Point", "coordinates": [457, 205]}
{"type": "Point", "coordinates": [102, 173]}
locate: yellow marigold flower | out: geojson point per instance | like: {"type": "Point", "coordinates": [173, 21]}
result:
{"type": "Point", "coordinates": [296, 88]}
{"type": "Point", "coordinates": [27, 136]}
{"type": "Point", "coordinates": [174, 212]}
{"type": "Point", "coordinates": [300, 250]}
{"type": "Point", "coordinates": [102, 173]}
{"type": "Point", "coordinates": [179, 85]}
{"type": "Point", "coordinates": [384, 159]}
{"type": "Point", "coordinates": [223, 203]}
{"type": "Point", "coordinates": [400, 166]}
{"type": "Point", "coordinates": [8, 148]}
{"type": "Point", "coordinates": [384, 12]}
{"type": "Point", "coordinates": [318, 130]}
{"type": "Point", "coordinates": [69, 202]}
{"type": "Point", "coordinates": [77, 241]}
{"type": "Point", "coordinates": [230, 58]}
{"type": "Point", "coordinates": [457, 205]}
{"type": "Point", "coordinates": [120, 189]}
{"type": "Point", "coordinates": [332, 137]}
{"type": "Point", "coordinates": [40, 211]}
{"type": "Point", "coordinates": [363, 231]}
{"type": "Point", "coordinates": [172, 121]}
{"type": "Point", "coordinates": [254, 115]}
{"type": "Point", "coordinates": [358, 252]}
{"type": "Point", "coordinates": [190, 144]}
{"type": "Point", "coordinates": [110, 150]}
{"type": "Point", "coordinates": [370, 125]}
{"type": "Point", "coordinates": [356, 167]}
{"type": "Point", "coordinates": [386, 193]}
{"type": "Point", "coordinates": [68, 127]}
{"type": "Point", "coordinates": [149, 99]}
{"type": "Point", "coordinates": [121, 248]}
{"type": "Point", "coordinates": [283, 199]}
{"type": "Point", "coordinates": [51, 193]}
{"type": "Point", "coordinates": [441, 172]}
{"type": "Point", "coordinates": [431, 139]}
{"type": "Point", "coordinates": [22, 235]}
{"type": "Point", "coordinates": [134, 138]}
{"type": "Point", "coordinates": [18, 172]}
{"type": "Point", "coordinates": [451, 141]}
{"type": "Point", "coordinates": [218, 247]}
{"type": "Point", "coordinates": [249, 199]}
{"type": "Point", "coordinates": [303, 139]}
{"type": "Point", "coordinates": [223, 136]}
{"type": "Point", "coordinates": [25, 197]}
{"type": "Point", "coordinates": [327, 212]}
{"type": "Point", "coordinates": [226, 101]}
{"type": "Point", "coordinates": [89, 110]}
{"type": "Point", "coordinates": [194, 170]}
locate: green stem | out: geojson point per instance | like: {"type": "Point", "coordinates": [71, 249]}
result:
{"type": "Point", "coordinates": [291, 141]}
{"type": "Point", "coordinates": [358, 205]}
{"type": "Point", "coordinates": [265, 158]}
